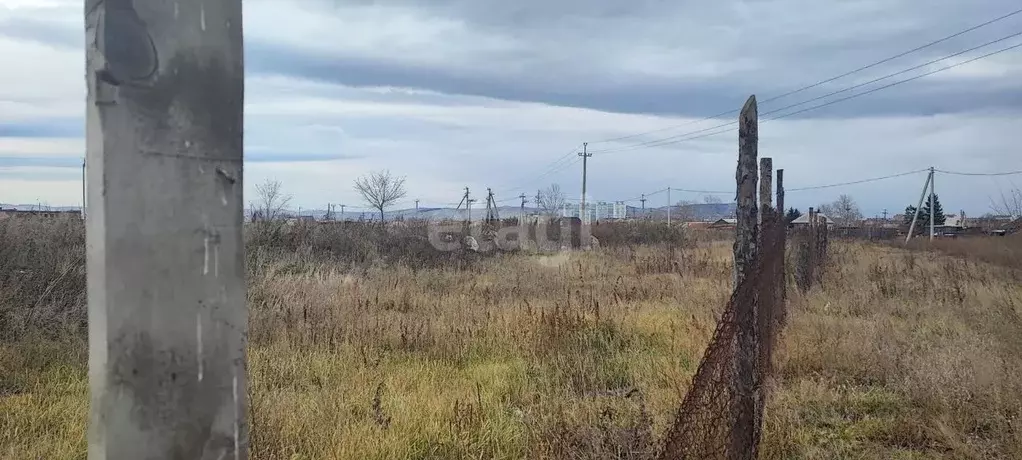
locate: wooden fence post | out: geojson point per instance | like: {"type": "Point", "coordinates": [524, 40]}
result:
{"type": "Point", "coordinates": [165, 256]}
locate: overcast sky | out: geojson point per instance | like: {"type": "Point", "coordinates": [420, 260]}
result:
{"type": "Point", "coordinates": [492, 93]}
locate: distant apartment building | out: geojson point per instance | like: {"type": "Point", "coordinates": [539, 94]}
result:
{"type": "Point", "coordinates": [595, 212]}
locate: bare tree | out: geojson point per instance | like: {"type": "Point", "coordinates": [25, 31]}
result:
{"type": "Point", "coordinates": [684, 211]}
{"type": "Point", "coordinates": [551, 199]}
{"type": "Point", "coordinates": [844, 211]}
{"type": "Point", "coordinates": [380, 189]}
{"type": "Point", "coordinates": [272, 200]}
{"type": "Point", "coordinates": [1009, 204]}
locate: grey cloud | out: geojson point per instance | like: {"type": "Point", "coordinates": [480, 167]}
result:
{"type": "Point", "coordinates": [250, 156]}
{"type": "Point", "coordinates": [44, 32]}
{"type": "Point", "coordinates": [56, 128]}
{"type": "Point", "coordinates": [651, 95]}
{"type": "Point", "coordinates": [40, 161]}
{"type": "Point", "coordinates": [576, 53]}
{"type": "Point", "coordinates": [570, 53]}
{"type": "Point", "coordinates": [274, 157]}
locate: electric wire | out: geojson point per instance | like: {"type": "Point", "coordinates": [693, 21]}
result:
{"type": "Point", "coordinates": [823, 82]}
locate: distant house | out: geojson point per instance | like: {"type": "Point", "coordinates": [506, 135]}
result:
{"type": "Point", "coordinates": [877, 222]}
{"type": "Point", "coordinates": [991, 223]}
{"type": "Point", "coordinates": [803, 221]}
{"type": "Point", "coordinates": [953, 225]}
{"type": "Point", "coordinates": [724, 223]}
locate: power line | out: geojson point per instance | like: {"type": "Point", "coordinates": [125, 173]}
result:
{"type": "Point", "coordinates": [554, 166]}
{"type": "Point", "coordinates": [958, 173]}
{"type": "Point", "coordinates": [715, 192]}
{"type": "Point", "coordinates": [873, 90]}
{"type": "Point", "coordinates": [822, 82]}
{"type": "Point", "coordinates": [875, 80]}
{"type": "Point", "coordinates": [688, 136]}
{"type": "Point", "coordinates": [708, 192]}
{"type": "Point", "coordinates": [646, 195]}
{"type": "Point", "coordinates": [863, 181]}
{"type": "Point", "coordinates": [557, 165]}
{"type": "Point", "coordinates": [903, 54]}
{"type": "Point", "coordinates": [704, 132]}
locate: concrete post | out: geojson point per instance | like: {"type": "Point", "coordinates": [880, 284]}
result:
{"type": "Point", "coordinates": [780, 191]}
{"type": "Point", "coordinates": [912, 226]}
{"type": "Point", "coordinates": [747, 215]}
{"type": "Point", "coordinates": [743, 433]}
{"type": "Point", "coordinates": [166, 292]}
{"type": "Point", "coordinates": [932, 195]}
{"type": "Point", "coordinates": [766, 175]}
{"type": "Point", "coordinates": [782, 220]}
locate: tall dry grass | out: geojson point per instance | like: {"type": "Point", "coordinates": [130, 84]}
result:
{"type": "Point", "coordinates": [361, 351]}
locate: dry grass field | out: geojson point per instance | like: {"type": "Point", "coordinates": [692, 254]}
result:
{"type": "Point", "coordinates": [898, 354]}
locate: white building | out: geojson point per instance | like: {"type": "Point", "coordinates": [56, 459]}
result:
{"type": "Point", "coordinates": [601, 210]}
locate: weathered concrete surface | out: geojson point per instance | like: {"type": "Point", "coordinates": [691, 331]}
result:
{"type": "Point", "coordinates": [766, 176]}
{"type": "Point", "coordinates": [166, 293]}
{"type": "Point", "coordinates": [746, 251]}
{"type": "Point", "coordinates": [747, 215]}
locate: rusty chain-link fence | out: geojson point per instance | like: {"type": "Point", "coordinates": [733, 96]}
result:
{"type": "Point", "coordinates": [810, 252]}
{"type": "Point", "coordinates": [718, 417]}
{"type": "Point", "coordinates": [722, 413]}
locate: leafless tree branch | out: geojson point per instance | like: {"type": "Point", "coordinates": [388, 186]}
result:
{"type": "Point", "coordinates": [551, 200]}
{"type": "Point", "coordinates": [380, 189]}
{"type": "Point", "coordinates": [272, 200]}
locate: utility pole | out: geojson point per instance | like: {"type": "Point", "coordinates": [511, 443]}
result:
{"type": "Point", "coordinates": [932, 195]}
{"type": "Point", "coordinates": [668, 206]}
{"type": "Point", "coordinates": [490, 205]}
{"type": "Point", "coordinates": [585, 156]}
{"type": "Point", "coordinates": [885, 215]}
{"type": "Point", "coordinates": [467, 200]}
{"type": "Point", "coordinates": [912, 226]}
{"type": "Point", "coordinates": [165, 95]}
{"type": "Point", "coordinates": [416, 205]}
{"type": "Point", "coordinates": [342, 212]}
{"type": "Point", "coordinates": [522, 214]}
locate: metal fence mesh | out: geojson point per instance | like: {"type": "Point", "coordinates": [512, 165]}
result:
{"type": "Point", "coordinates": [721, 417]}
{"type": "Point", "coordinates": [810, 254]}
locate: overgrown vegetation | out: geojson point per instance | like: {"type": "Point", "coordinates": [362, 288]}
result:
{"type": "Point", "coordinates": [367, 343]}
